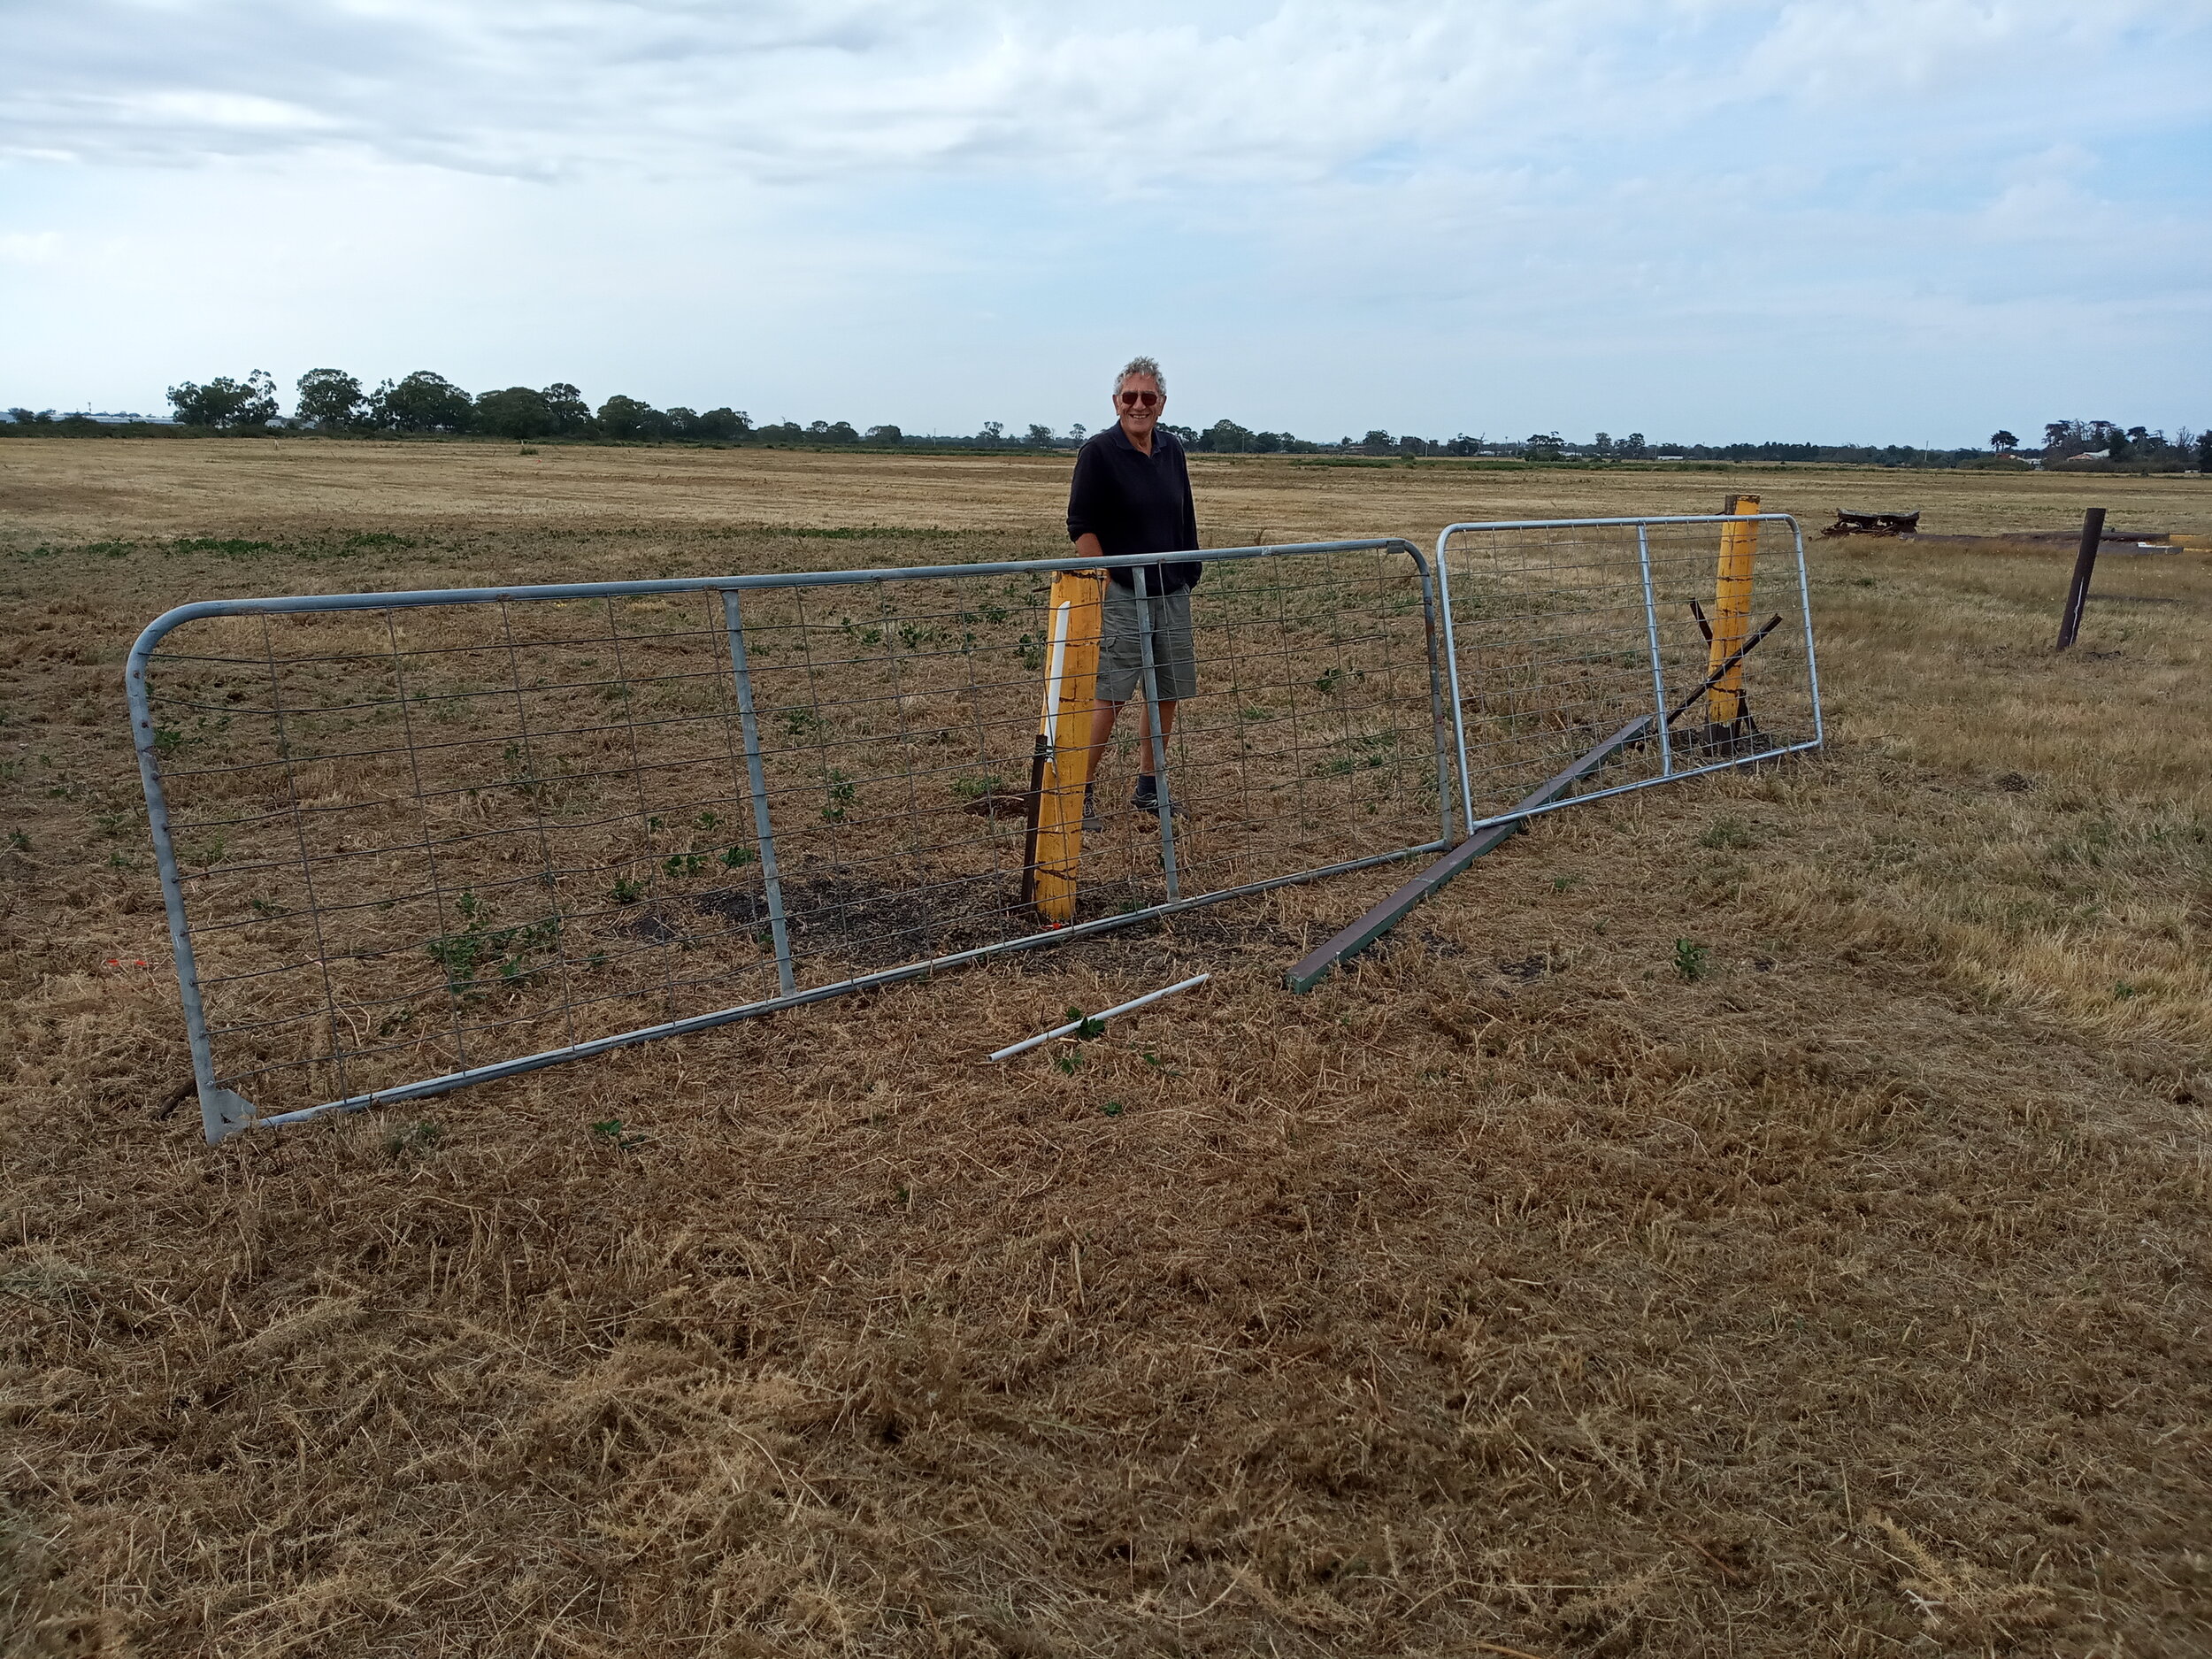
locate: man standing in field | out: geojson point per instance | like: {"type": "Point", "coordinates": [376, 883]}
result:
{"type": "Point", "coordinates": [1131, 494]}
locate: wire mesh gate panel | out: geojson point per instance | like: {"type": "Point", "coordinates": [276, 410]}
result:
{"type": "Point", "coordinates": [1565, 632]}
{"type": "Point", "coordinates": [409, 841]}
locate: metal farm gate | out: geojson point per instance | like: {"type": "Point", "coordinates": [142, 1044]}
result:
{"type": "Point", "coordinates": [411, 842]}
{"type": "Point", "coordinates": [1624, 652]}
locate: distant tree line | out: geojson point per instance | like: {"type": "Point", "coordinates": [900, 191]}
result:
{"type": "Point", "coordinates": [2089, 442]}
{"type": "Point", "coordinates": [333, 402]}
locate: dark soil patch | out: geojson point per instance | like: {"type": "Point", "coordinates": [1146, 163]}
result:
{"type": "Point", "coordinates": [867, 925]}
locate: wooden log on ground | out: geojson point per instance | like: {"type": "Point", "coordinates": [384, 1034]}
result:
{"type": "Point", "coordinates": [1874, 523]}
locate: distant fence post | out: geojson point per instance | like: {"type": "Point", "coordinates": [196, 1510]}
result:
{"type": "Point", "coordinates": [2077, 590]}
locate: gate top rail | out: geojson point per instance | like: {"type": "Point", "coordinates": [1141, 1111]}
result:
{"type": "Point", "coordinates": [1451, 530]}
{"type": "Point", "coordinates": [152, 635]}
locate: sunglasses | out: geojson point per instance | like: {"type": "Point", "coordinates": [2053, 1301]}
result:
{"type": "Point", "coordinates": [1139, 400]}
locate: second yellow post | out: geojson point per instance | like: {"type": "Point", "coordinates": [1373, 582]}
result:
{"type": "Point", "coordinates": [1731, 611]}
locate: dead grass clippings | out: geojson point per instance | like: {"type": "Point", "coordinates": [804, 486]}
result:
{"type": "Point", "coordinates": [1513, 1294]}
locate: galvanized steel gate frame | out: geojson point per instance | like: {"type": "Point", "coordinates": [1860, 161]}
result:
{"type": "Point", "coordinates": [224, 1112]}
{"type": "Point", "coordinates": [1669, 772]}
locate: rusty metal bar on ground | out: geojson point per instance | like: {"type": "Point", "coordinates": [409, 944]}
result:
{"type": "Point", "coordinates": [1312, 968]}
{"type": "Point", "coordinates": [1728, 667]}
{"type": "Point", "coordinates": [1315, 965]}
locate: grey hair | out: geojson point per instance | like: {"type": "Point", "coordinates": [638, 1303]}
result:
{"type": "Point", "coordinates": [1142, 366]}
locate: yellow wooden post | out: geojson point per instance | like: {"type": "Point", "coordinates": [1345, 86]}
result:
{"type": "Point", "coordinates": [1731, 611]}
{"type": "Point", "coordinates": [1071, 682]}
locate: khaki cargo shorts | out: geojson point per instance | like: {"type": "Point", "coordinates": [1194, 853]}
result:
{"type": "Point", "coordinates": [1120, 664]}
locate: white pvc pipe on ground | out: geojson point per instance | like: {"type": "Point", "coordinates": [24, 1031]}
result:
{"type": "Point", "coordinates": [1027, 1044]}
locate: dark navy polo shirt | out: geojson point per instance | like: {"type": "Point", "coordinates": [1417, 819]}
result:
{"type": "Point", "coordinates": [1135, 503]}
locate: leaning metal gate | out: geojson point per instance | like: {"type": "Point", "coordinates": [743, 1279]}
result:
{"type": "Point", "coordinates": [411, 842]}
{"type": "Point", "coordinates": [1676, 646]}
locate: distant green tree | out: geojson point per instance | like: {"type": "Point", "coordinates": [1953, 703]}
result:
{"type": "Point", "coordinates": [629, 419]}
{"type": "Point", "coordinates": [994, 431]}
{"type": "Point", "coordinates": [329, 399]}
{"type": "Point", "coordinates": [227, 402]}
{"type": "Point", "coordinates": [887, 435]}
{"type": "Point", "coordinates": [1189, 438]}
{"type": "Point", "coordinates": [1269, 443]}
{"type": "Point", "coordinates": [1226, 437]}
{"type": "Point", "coordinates": [2204, 451]}
{"type": "Point", "coordinates": [781, 432]}
{"type": "Point", "coordinates": [1543, 446]}
{"type": "Point", "coordinates": [724, 424]}
{"type": "Point", "coordinates": [833, 432]}
{"type": "Point", "coordinates": [1633, 447]}
{"type": "Point", "coordinates": [423, 402]}
{"type": "Point", "coordinates": [32, 416]}
{"type": "Point", "coordinates": [516, 413]}
{"type": "Point", "coordinates": [1040, 437]}
{"type": "Point", "coordinates": [1378, 441]}
{"type": "Point", "coordinates": [566, 408]}
{"type": "Point", "coordinates": [2003, 441]}
{"type": "Point", "coordinates": [1076, 434]}
{"type": "Point", "coordinates": [1602, 444]}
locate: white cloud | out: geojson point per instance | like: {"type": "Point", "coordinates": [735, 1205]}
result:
{"type": "Point", "coordinates": [30, 247]}
{"type": "Point", "coordinates": [813, 207]}
{"type": "Point", "coordinates": [797, 91]}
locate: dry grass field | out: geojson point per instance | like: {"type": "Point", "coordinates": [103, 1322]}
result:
{"type": "Point", "coordinates": [1763, 1217]}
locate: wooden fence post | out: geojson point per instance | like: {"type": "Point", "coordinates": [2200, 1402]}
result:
{"type": "Point", "coordinates": [1732, 615]}
{"type": "Point", "coordinates": [1063, 735]}
{"type": "Point", "coordinates": [2085, 564]}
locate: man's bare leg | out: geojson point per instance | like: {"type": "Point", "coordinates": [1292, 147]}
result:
{"type": "Point", "coordinates": [1103, 715]}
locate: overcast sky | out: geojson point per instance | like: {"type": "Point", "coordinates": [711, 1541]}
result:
{"type": "Point", "coordinates": [1907, 220]}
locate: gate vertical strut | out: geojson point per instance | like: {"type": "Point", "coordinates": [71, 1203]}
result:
{"type": "Point", "coordinates": [1658, 671]}
{"type": "Point", "coordinates": [1154, 738]}
{"type": "Point", "coordinates": [757, 782]}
